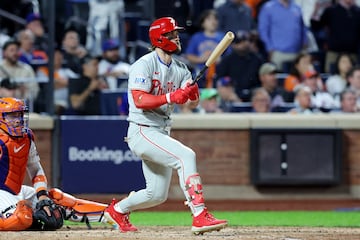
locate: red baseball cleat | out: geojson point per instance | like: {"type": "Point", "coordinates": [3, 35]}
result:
{"type": "Point", "coordinates": [206, 222]}
{"type": "Point", "coordinates": [119, 219]}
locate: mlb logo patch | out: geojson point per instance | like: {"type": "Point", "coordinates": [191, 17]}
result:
{"type": "Point", "coordinates": [140, 80]}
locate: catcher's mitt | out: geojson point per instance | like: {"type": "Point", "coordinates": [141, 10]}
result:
{"type": "Point", "coordinates": [44, 222]}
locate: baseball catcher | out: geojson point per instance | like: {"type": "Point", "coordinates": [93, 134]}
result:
{"type": "Point", "coordinates": [22, 206]}
{"type": "Point", "coordinates": [31, 207]}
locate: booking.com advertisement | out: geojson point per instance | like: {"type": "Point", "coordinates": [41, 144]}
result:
{"type": "Point", "coordinates": [95, 158]}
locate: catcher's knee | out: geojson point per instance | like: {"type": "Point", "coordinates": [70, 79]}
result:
{"type": "Point", "coordinates": [20, 219]}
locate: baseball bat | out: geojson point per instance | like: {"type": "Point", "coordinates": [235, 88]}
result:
{"type": "Point", "coordinates": [219, 49]}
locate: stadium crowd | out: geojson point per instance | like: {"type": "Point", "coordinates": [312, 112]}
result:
{"type": "Point", "coordinates": [295, 56]}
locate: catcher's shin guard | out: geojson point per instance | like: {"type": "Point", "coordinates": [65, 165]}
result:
{"type": "Point", "coordinates": [78, 210]}
{"type": "Point", "coordinates": [20, 219]}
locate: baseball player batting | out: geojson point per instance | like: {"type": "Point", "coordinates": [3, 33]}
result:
{"type": "Point", "coordinates": [157, 82]}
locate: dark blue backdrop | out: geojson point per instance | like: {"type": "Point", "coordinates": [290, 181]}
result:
{"type": "Point", "coordinates": [95, 158]}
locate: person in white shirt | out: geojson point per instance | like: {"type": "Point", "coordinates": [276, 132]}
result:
{"type": "Point", "coordinates": [337, 83]}
{"type": "Point", "coordinates": [114, 70]}
{"type": "Point", "coordinates": [319, 98]}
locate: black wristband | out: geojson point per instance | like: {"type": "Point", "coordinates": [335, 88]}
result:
{"type": "Point", "coordinates": [41, 193]}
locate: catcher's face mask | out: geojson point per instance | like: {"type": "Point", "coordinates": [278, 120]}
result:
{"type": "Point", "coordinates": [14, 116]}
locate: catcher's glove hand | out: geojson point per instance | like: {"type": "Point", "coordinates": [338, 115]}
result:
{"type": "Point", "coordinates": [41, 218]}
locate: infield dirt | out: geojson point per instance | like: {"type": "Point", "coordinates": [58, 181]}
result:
{"type": "Point", "coordinates": [183, 233]}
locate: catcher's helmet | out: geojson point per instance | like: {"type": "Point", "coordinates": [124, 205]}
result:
{"type": "Point", "coordinates": [157, 30]}
{"type": "Point", "coordinates": [14, 125]}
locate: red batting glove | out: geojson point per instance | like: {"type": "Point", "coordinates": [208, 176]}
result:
{"type": "Point", "coordinates": [193, 91]}
{"type": "Point", "coordinates": [180, 96]}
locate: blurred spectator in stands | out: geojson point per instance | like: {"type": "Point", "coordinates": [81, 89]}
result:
{"type": "Point", "coordinates": [242, 66]}
{"type": "Point", "coordinates": [307, 8]}
{"type": "Point", "coordinates": [347, 102]}
{"type": "Point", "coordinates": [111, 67]}
{"type": "Point", "coordinates": [319, 98]}
{"type": "Point", "coordinates": [253, 4]}
{"type": "Point", "coordinates": [105, 21]}
{"type": "Point", "coordinates": [181, 11]}
{"type": "Point", "coordinates": [3, 39]}
{"type": "Point", "coordinates": [302, 102]}
{"type": "Point", "coordinates": [7, 88]}
{"type": "Point", "coordinates": [269, 82]}
{"type": "Point", "coordinates": [235, 15]}
{"type": "Point", "coordinates": [300, 66]}
{"type": "Point", "coordinates": [84, 92]}
{"type": "Point", "coordinates": [178, 9]}
{"type": "Point", "coordinates": [201, 45]}
{"type": "Point", "coordinates": [198, 6]}
{"type": "Point", "coordinates": [35, 25]}
{"type": "Point", "coordinates": [73, 50]}
{"type": "Point", "coordinates": [61, 81]}
{"type": "Point", "coordinates": [342, 24]}
{"type": "Point", "coordinates": [353, 78]}
{"type": "Point", "coordinates": [209, 101]}
{"type": "Point", "coordinates": [260, 101]}
{"type": "Point", "coordinates": [336, 83]}
{"type": "Point", "coordinates": [28, 54]}
{"type": "Point", "coordinates": [19, 72]}
{"type": "Point", "coordinates": [226, 93]}
{"type": "Point", "coordinates": [19, 8]}
{"type": "Point", "coordinates": [315, 12]}
{"type": "Point", "coordinates": [282, 30]}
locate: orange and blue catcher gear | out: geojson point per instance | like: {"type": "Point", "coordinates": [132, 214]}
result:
{"type": "Point", "coordinates": [20, 219]}
{"type": "Point", "coordinates": [14, 152]}
{"type": "Point", "coordinates": [14, 116]}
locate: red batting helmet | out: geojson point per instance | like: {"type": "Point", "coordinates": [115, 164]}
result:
{"type": "Point", "coordinates": [157, 30]}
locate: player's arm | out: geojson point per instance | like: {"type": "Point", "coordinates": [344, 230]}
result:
{"type": "Point", "coordinates": [36, 173]}
{"type": "Point", "coordinates": [146, 100]}
{"type": "Point", "coordinates": [193, 92]}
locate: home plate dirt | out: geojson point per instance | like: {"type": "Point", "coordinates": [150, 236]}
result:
{"type": "Point", "coordinates": [183, 233]}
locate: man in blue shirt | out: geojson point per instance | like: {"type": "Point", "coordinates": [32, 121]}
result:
{"type": "Point", "coordinates": [282, 30]}
{"type": "Point", "coordinates": [235, 15]}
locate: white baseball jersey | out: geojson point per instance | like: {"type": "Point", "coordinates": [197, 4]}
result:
{"type": "Point", "coordinates": [161, 154]}
{"type": "Point", "coordinates": [151, 75]}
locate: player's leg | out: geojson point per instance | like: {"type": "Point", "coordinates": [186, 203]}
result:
{"type": "Point", "coordinates": [15, 215]}
{"type": "Point", "coordinates": [78, 210]}
{"type": "Point", "coordinates": [164, 150]}
{"type": "Point", "coordinates": [157, 180]}
{"type": "Point", "coordinates": [28, 193]}
{"type": "Point", "coordinates": [190, 182]}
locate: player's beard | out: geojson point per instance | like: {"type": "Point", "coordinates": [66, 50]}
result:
{"type": "Point", "coordinates": [178, 49]}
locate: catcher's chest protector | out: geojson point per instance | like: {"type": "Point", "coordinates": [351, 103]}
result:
{"type": "Point", "coordinates": [14, 154]}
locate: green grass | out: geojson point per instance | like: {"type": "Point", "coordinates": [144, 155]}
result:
{"type": "Point", "coordinates": [253, 218]}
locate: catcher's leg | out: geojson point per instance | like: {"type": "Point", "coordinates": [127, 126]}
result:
{"type": "Point", "coordinates": [78, 210]}
{"type": "Point", "coordinates": [20, 219]}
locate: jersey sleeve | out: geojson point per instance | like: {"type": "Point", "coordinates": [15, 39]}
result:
{"type": "Point", "coordinates": [35, 170]}
{"type": "Point", "coordinates": [140, 76]}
